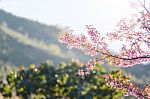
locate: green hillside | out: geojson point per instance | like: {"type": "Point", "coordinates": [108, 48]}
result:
{"type": "Point", "coordinates": [18, 53]}
{"type": "Point", "coordinates": [24, 41]}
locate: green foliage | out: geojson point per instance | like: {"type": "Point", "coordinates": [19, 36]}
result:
{"type": "Point", "coordinates": [47, 82]}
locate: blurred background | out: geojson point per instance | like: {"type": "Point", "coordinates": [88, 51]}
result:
{"type": "Point", "coordinates": [29, 31]}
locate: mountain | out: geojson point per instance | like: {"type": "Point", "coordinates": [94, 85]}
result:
{"type": "Point", "coordinates": [140, 71]}
{"type": "Point", "coordinates": [24, 41]}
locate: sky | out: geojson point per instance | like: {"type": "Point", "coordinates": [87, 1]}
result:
{"type": "Point", "coordinates": [102, 14]}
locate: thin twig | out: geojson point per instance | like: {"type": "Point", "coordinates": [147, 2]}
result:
{"type": "Point", "coordinates": [143, 5]}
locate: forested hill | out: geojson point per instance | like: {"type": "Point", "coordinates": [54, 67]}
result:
{"type": "Point", "coordinates": [24, 41]}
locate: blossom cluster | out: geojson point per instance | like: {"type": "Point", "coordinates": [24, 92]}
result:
{"type": "Point", "coordinates": [89, 68]}
{"type": "Point", "coordinates": [98, 45]}
{"type": "Point", "coordinates": [120, 82]}
{"type": "Point", "coordinates": [144, 21]}
{"type": "Point", "coordinates": [134, 34]}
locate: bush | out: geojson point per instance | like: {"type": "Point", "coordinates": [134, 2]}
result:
{"type": "Point", "coordinates": [48, 82]}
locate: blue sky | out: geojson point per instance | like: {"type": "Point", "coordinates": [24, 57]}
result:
{"type": "Point", "coordinates": [103, 14]}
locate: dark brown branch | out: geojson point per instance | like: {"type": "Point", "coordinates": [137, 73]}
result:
{"type": "Point", "coordinates": [133, 58]}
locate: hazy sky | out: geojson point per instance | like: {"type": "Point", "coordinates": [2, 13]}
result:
{"type": "Point", "coordinates": [73, 13]}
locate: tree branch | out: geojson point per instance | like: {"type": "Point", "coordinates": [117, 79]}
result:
{"type": "Point", "coordinates": [133, 58]}
{"type": "Point", "coordinates": [143, 6]}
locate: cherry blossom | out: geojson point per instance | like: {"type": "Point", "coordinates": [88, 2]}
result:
{"type": "Point", "coordinates": [134, 33]}
{"type": "Point", "coordinates": [120, 82]}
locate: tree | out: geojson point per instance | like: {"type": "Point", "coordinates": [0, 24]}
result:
{"type": "Point", "coordinates": [134, 34]}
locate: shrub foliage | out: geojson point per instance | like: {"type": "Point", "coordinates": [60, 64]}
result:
{"type": "Point", "coordinates": [48, 82]}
